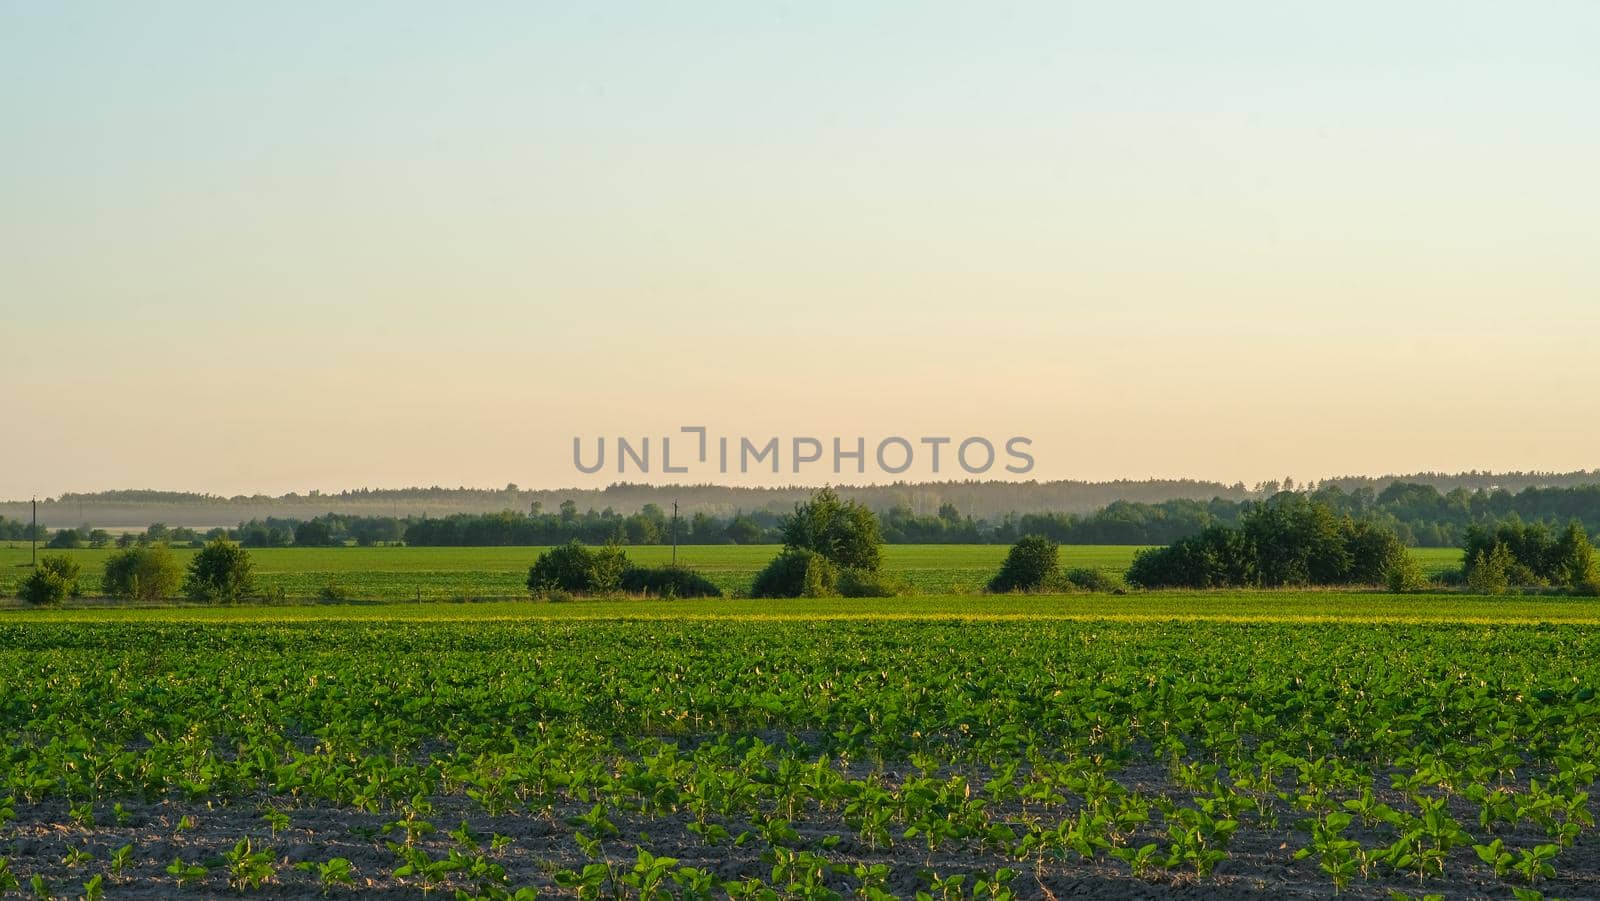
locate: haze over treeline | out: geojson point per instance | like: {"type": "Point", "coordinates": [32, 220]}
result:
{"type": "Point", "coordinates": [983, 499]}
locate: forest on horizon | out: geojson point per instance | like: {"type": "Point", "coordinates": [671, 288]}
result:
{"type": "Point", "coordinates": [977, 499]}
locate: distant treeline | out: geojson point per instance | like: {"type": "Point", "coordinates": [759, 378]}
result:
{"type": "Point", "coordinates": [989, 499]}
{"type": "Point", "coordinates": [14, 530]}
{"type": "Point", "coordinates": [982, 500]}
{"type": "Point", "coordinates": [1419, 514]}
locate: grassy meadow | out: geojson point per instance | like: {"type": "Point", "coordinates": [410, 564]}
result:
{"type": "Point", "coordinates": [480, 573]}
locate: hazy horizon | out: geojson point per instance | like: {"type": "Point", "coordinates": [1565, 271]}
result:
{"type": "Point", "coordinates": [779, 484]}
{"type": "Point", "coordinates": [308, 247]}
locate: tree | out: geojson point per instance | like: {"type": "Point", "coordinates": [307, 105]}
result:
{"type": "Point", "coordinates": [1487, 570]}
{"type": "Point", "coordinates": [1218, 557]}
{"type": "Point", "coordinates": [65, 538]}
{"type": "Point", "coordinates": [844, 532]}
{"type": "Point", "coordinates": [220, 574]}
{"type": "Point", "coordinates": [54, 580]}
{"type": "Point", "coordinates": [147, 573]}
{"type": "Point", "coordinates": [744, 530]}
{"type": "Point", "coordinates": [1297, 541]}
{"type": "Point", "coordinates": [1403, 574]}
{"type": "Point", "coordinates": [574, 567]}
{"type": "Point", "coordinates": [1031, 564]}
{"type": "Point", "coordinates": [315, 533]}
{"type": "Point", "coordinates": [1572, 559]}
{"type": "Point", "coordinates": [796, 573]}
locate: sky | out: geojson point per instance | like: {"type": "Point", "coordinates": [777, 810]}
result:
{"type": "Point", "coordinates": [280, 247]}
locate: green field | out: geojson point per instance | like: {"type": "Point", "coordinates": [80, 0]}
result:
{"type": "Point", "coordinates": [1037, 746]}
{"type": "Point", "coordinates": [408, 573]}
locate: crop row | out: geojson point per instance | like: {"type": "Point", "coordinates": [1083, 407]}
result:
{"type": "Point", "coordinates": [864, 758]}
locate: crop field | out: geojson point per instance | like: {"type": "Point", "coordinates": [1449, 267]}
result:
{"type": "Point", "coordinates": [428, 573]}
{"type": "Point", "coordinates": [1224, 744]}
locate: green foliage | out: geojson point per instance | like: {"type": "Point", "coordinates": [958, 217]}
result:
{"type": "Point", "coordinates": [315, 533]}
{"type": "Point", "coordinates": [335, 872]}
{"type": "Point", "coordinates": [1529, 554]}
{"type": "Point", "coordinates": [145, 573]}
{"type": "Point", "coordinates": [1126, 749]}
{"type": "Point", "coordinates": [248, 867]}
{"type": "Point", "coordinates": [221, 573]}
{"type": "Point", "coordinates": [1289, 541]}
{"type": "Point", "coordinates": [843, 531]}
{"type": "Point", "coordinates": [796, 573]}
{"type": "Point", "coordinates": [1032, 564]}
{"type": "Point", "coordinates": [65, 539]}
{"type": "Point", "coordinates": [1086, 578]}
{"type": "Point", "coordinates": [667, 582]}
{"type": "Point", "coordinates": [578, 569]}
{"type": "Point", "coordinates": [1218, 557]}
{"type": "Point", "coordinates": [1402, 573]}
{"type": "Point", "coordinates": [412, 574]}
{"type": "Point", "coordinates": [1488, 570]}
{"type": "Point", "coordinates": [855, 583]}
{"type": "Point", "coordinates": [1572, 560]}
{"type": "Point", "coordinates": [54, 580]}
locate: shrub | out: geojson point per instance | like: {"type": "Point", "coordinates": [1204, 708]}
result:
{"type": "Point", "coordinates": [1030, 565]}
{"type": "Point", "coordinates": [844, 532]}
{"type": "Point", "coordinates": [668, 582]}
{"type": "Point", "coordinates": [314, 534]}
{"type": "Point", "coordinates": [609, 564]}
{"type": "Point", "coordinates": [1289, 540]}
{"type": "Point", "coordinates": [796, 573]}
{"type": "Point", "coordinates": [578, 569]}
{"type": "Point", "coordinates": [66, 538]}
{"type": "Point", "coordinates": [54, 580]}
{"type": "Point", "coordinates": [1488, 570]}
{"type": "Point", "coordinates": [1572, 559]}
{"type": "Point", "coordinates": [1085, 578]}
{"type": "Point", "coordinates": [333, 592]}
{"type": "Point", "coordinates": [855, 583]}
{"type": "Point", "coordinates": [1218, 557]}
{"type": "Point", "coordinates": [147, 573]}
{"type": "Point", "coordinates": [1402, 574]}
{"type": "Point", "coordinates": [1533, 555]}
{"type": "Point", "coordinates": [220, 574]}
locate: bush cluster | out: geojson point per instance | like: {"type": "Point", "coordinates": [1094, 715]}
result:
{"type": "Point", "coordinates": [148, 573]}
{"type": "Point", "coordinates": [577, 569]}
{"type": "Point", "coordinates": [54, 580]}
{"type": "Point", "coordinates": [830, 547]}
{"type": "Point", "coordinates": [1290, 540]}
{"type": "Point", "coordinates": [1030, 565]}
{"type": "Point", "coordinates": [1513, 553]}
{"type": "Point", "coordinates": [668, 582]}
{"type": "Point", "coordinates": [797, 573]}
{"type": "Point", "coordinates": [221, 573]}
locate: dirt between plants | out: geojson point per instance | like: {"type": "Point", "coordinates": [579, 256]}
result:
{"type": "Point", "coordinates": [1260, 864]}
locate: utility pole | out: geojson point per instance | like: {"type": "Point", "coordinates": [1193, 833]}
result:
{"type": "Point", "coordinates": [674, 533]}
{"type": "Point", "coordinates": [33, 537]}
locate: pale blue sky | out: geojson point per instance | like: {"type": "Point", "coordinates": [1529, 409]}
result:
{"type": "Point", "coordinates": [394, 243]}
